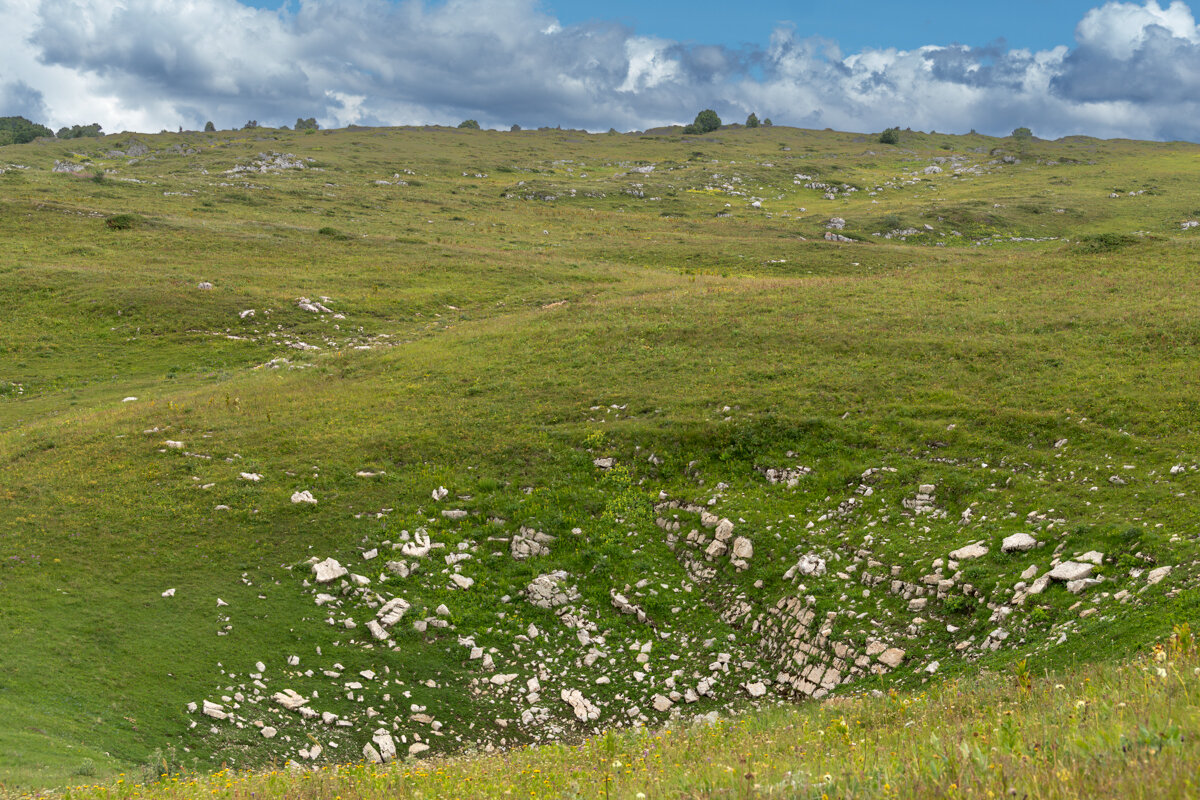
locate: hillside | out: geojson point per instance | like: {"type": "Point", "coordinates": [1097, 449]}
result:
{"type": "Point", "coordinates": [324, 445]}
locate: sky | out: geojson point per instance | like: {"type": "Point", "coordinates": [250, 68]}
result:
{"type": "Point", "coordinates": [1060, 67]}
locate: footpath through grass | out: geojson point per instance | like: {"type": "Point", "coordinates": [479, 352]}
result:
{"type": "Point", "coordinates": [1115, 730]}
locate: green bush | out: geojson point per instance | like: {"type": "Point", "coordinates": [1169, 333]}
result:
{"type": "Point", "coordinates": [18, 130]}
{"type": "Point", "coordinates": [123, 222]}
{"type": "Point", "coordinates": [209, 127]}
{"type": "Point", "coordinates": [706, 121]}
{"type": "Point", "coordinates": [890, 136]}
{"type": "Point", "coordinates": [752, 120]}
{"type": "Point", "coordinates": [1105, 242]}
{"type": "Point", "coordinates": [469, 124]}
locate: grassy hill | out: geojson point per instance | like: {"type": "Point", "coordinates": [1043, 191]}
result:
{"type": "Point", "coordinates": [698, 453]}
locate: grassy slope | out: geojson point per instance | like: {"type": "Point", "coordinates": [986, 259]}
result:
{"type": "Point", "coordinates": [1110, 730]}
{"type": "Point", "coordinates": [852, 356]}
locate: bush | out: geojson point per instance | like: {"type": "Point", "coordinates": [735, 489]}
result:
{"type": "Point", "coordinates": [890, 136]}
{"type": "Point", "coordinates": [209, 127]}
{"type": "Point", "coordinates": [1105, 242]}
{"type": "Point", "coordinates": [252, 124]}
{"type": "Point", "coordinates": [469, 124]}
{"type": "Point", "coordinates": [706, 121]}
{"type": "Point", "coordinates": [123, 222]}
{"type": "Point", "coordinates": [767, 122]}
{"type": "Point", "coordinates": [752, 120]}
{"type": "Point", "coordinates": [515, 128]}
{"type": "Point", "coordinates": [18, 130]}
{"type": "Point", "coordinates": [309, 124]}
{"type": "Point", "coordinates": [1022, 134]}
{"type": "Point", "coordinates": [80, 131]}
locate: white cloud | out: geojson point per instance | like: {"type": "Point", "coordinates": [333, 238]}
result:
{"type": "Point", "coordinates": [1134, 70]}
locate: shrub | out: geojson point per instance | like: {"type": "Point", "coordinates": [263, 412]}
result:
{"type": "Point", "coordinates": [18, 130]}
{"type": "Point", "coordinates": [515, 128]}
{"type": "Point", "coordinates": [767, 122]}
{"type": "Point", "coordinates": [80, 131]}
{"type": "Point", "coordinates": [706, 121]}
{"type": "Point", "coordinates": [209, 127]}
{"type": "Point", "coordinates": [123, 222]}
{"type": "Point", "coordinates": [1105, 242]}
{"type": "Point", "coordinates": [250, 125]}
{"type": "Point", "coordinates": [469, 124]}
{"type": "Point", "coordinates": [1022, 134]}
{"type": "Point", "coordinates": [890, 136]}
{"type": "Point", "coordinates": [309, 124]}
{"type": "Point", "coordinates": [752, 120]}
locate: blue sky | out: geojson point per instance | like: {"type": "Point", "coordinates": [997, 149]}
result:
{"type": "Point", "coordinates": [1108, 68]}
{"type": "Point", "coordinates": [855, 24]}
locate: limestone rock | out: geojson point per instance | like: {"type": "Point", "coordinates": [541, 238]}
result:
{"type": "Point", "coordinates": [969, 552]}
{"type": "Point", "coordinates": [892, 657]}
{"type": "Point", "coordinates": [462, 581]}
{"type": "Point", "coordinates": [724, 531]}
{"type": "Point", "coordinates": [289, 699]}
{"type": "Point", "coordinates": [1156, 575]}
{"type": "Point", "coordinates": [371, 755]}
{"type": "Point", "coordinates": [584, 710]}
{"type": "Point", "coordinates": [756, 689]}
{"type": "Point", "coordinates": [1070, 571]}
{"type": "Point", "coordinates": [550, 590]}
{"type": "Point", "coordinates": [661, 703]}
{"type": "Point", "coordinates": [268, 732]}
{"type": "Point", "coordinates": [1018, 543]}
{"type": "Point", "coordinates": [743, 548]}
{"type": "Point", "coordinates": [214, 710]}
{"type": "Point", "coordinates": [419, 547]}
{"type": "Point", "coordinates": [328, 571]}
{"type": "Point", "coordinates": [416, 748]}
{"type": "Point", "coordinates": [530, 543]}
{"type": "Point", "coordinates": [304, 497]}
{"type": "Point", "coordinates": [386, 745]}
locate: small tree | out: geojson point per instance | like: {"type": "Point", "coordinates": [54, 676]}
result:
{"type": "Point", "coordinates": [469, 124]}
{"type": "Point", "coordinates": [1023, 135]}
{"type": "Point", "coordinates": [890, 136]}
{"type": "Point", "coordinates": [251, 125]}
{"type": "Point", "coordinates": [209, 127]}
{"type": "Point", "coordinates": [767, 122]}
{"type": "Point", "coordinates": [309, 124]}
{"type": "Point", "coordinates": [706, 121]}
{"type": "Point", "coordinates": [752, 120]}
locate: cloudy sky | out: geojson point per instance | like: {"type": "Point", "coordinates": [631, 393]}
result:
{"type": "Point", "coordinates": [1129, 69]}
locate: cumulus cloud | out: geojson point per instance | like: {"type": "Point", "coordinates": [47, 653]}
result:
{"type": "Point", "coordinates": [1133, 70]}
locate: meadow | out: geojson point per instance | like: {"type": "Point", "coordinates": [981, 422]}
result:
{"type": "Point", "coordinates": [592, 342]}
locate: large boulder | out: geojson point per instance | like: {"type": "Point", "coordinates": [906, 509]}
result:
{"type": "Point", "coordinates": [1018, 543]}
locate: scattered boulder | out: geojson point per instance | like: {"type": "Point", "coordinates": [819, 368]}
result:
{"type": "Point", "coordinates": [743, 548]}
{"type": "Point", "coordinates": [1070, 571]}
{"type": "Point", "coordinates": [1156, 575]}
{"type": "Point", "coordinates": [971, 551]}
{"type": "Point", "coordinates": [304, 497]}
{"type": "Point", "coordinates": [584, 710]}
{"type": "Point", "coordinates": [1017, 543]}
{"type": "Point", "coordinates": [328, 571]}
{"type": "Point", "coordinates": [891, 657]}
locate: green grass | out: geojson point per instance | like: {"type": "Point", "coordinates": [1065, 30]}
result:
{"type": "Point", "coordinates": [1111, 730]}
{"type": "Point", "coordinates": [485, 338]}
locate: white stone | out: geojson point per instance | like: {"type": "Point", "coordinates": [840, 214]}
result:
{"type": "Point", "coordinates": [891, 657]}
{"type": "Point", "coordinates": [743, 548]}
{"type": "Point", "coordinates": [416, 748]}
{"type": "Point", "coordinates": [969, 552]}
{"type": "Point", "coordinates": [253, 477]}
{"type": "Point", "coordinates": [1070, 571]}
{"type": "Point", "coordinates": [268, 732]}
{"type": "Point", "coordinates": [328, 571]}
{"type": "Point", "coordinates": [756, 689]}
{"type": "Point", "coordinates": [462, 581]}
{"type": "Point", "coordinates": [1018, 543]}
{"type": "Point", "coordinates": [169, 593]}
{"type": "Point", "coordinates": [304, 497]}
{"type": "Point", "coordinates": [1156, 575]}
{"type": "Point", "coordinates": [386, 745]}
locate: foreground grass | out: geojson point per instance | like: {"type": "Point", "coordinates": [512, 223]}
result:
{"type": "Point", "coordinates": [1115, 730]}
